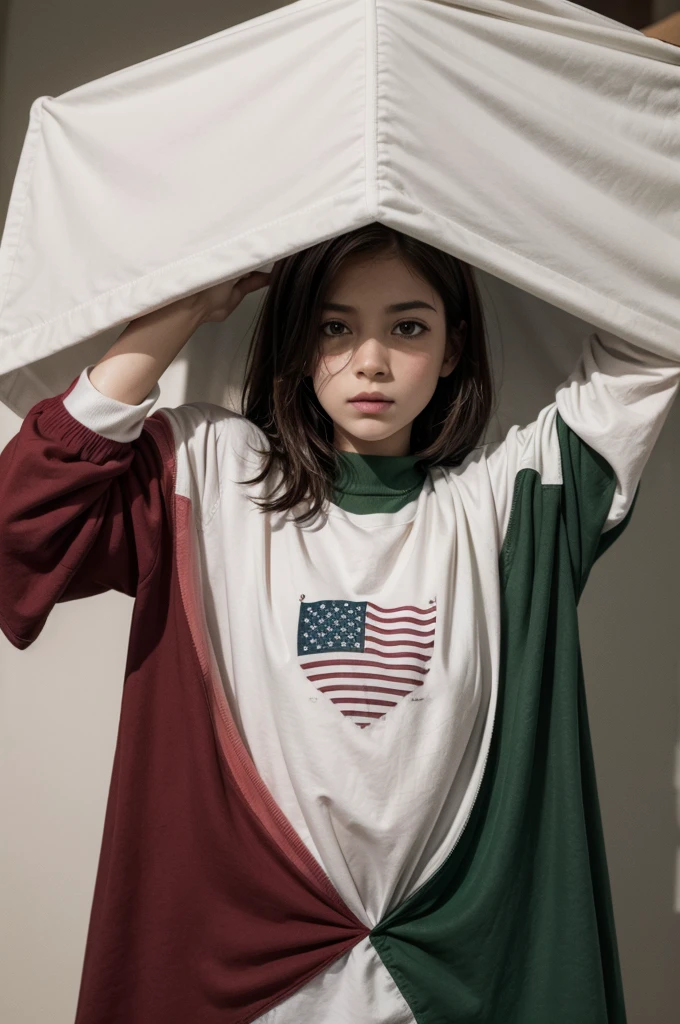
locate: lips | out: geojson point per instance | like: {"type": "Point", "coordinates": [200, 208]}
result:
{"type": "Point", "coordinates": [371, 398]}
{"type": "Point", "coordinates": [371, 405]}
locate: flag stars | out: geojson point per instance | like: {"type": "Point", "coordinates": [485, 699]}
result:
{"type": "Point", "coordinates": [332, 625]}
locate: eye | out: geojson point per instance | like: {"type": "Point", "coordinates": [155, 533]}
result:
{"type": "Point", "coordinates": [415, 323]}
{"type": "Point", "coordinates": [327, 323]}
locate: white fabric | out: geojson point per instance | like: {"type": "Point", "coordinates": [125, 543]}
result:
{"type": "Point", "coordinates": [106, 416]}
{"type": "Point", "coordinates": [538, 140]}
{"type": "Point", "coordinates": [380, 807]}
{"type": "Point", "coordinates": [356, 989]}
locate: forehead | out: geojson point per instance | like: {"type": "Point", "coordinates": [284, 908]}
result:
{"type": "Point", "coordinates": [386, 281]}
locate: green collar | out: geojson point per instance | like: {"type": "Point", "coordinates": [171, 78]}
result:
{"type": "Point", "coordinates": [376, 483]}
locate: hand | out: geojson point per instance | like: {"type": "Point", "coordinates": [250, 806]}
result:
{"type": "Point", "coordinates": [217, 302]}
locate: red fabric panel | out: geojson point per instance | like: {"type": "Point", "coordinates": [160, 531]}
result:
{"type": "Point", "coordinates": [79, 515]}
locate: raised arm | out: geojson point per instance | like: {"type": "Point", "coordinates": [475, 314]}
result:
{"type": "Point", "coordinates": [81, 489]}
{"type": "Point", "coordinates": [82, 486]}
{"type": "Point", "coordinates": [592, 442]}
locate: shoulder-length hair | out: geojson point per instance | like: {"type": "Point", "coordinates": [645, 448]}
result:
{"type": "Point", "coordinates": [278, 394]}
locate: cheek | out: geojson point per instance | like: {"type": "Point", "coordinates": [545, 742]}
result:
{"type": "Point", "coordinates": [322, 379]}
{"type": "Point", "coordinates": [328, 366]}
{"type": "Point", "coordinates": [418, 368]}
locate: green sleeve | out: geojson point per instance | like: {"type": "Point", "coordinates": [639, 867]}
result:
{"type": "Point", "coordinates": [589, 483]}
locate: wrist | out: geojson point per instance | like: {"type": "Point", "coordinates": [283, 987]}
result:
{"type": "Point", "coordinates": [193, 308]}
{"type": "Point", "coordinates": [189, 310]}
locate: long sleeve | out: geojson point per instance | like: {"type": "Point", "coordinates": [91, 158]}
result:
{"type": "Point", "coordinates": [593, 441]}
{"type": "Point", "coordinates": [81, 505]}
{"type": "Point", "coordinates": [617, 399]}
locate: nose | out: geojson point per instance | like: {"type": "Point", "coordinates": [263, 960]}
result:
{"type": "Point", "coordinates": [370, 357]}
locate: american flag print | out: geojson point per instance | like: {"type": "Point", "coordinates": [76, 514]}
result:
{"type": "Point", "coordinates": [365, 657]}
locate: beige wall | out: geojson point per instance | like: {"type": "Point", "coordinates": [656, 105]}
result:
{"type": "Point", "coordinates": [60, 699]}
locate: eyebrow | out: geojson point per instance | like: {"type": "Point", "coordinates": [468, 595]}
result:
{"type": "Point", "coordinates": [398, 307]}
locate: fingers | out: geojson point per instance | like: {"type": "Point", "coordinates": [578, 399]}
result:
{"type": "Point", "coordinates": [256, 279]}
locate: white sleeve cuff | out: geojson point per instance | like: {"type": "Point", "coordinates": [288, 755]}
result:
{"type": "Point", "coordinates": [115, 420]}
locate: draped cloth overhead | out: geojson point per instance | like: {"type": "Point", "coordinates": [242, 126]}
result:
{"type": "Point", "coordinates": [538, 141]}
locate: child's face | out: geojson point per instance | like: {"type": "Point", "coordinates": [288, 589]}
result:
{"type": "Point", "coordinates": [401, 354]}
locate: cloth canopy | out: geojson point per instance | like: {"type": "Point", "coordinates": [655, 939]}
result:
{"type": "Point", "coordinates": [539, 141]}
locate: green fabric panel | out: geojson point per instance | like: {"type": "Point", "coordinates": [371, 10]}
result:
{"type": "Point", "coordinates": [376, 483]}
{"type": "Point", "coordinates": [517, 925]}
{"type": "Point", "coordinates": [589, 483]}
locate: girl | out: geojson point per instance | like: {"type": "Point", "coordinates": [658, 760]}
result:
{"type": "Point", "coordinates": [353, 778]}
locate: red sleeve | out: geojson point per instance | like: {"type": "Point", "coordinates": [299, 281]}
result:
{"type": "Point", "coordinates": [80, 514]}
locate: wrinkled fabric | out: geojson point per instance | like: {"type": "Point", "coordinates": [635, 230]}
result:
{"type": "Point", "coordinates": [539, 141]}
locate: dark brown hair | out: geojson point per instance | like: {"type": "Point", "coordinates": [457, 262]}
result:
{"type": "Point", "coordinates": [278, 394]}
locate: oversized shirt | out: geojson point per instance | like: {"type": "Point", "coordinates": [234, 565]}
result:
{"type": "Point", "coordinates": [353, 778]}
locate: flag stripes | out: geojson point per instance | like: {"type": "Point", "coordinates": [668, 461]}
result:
{"type": "Point", "coordinates": [370, 645]}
